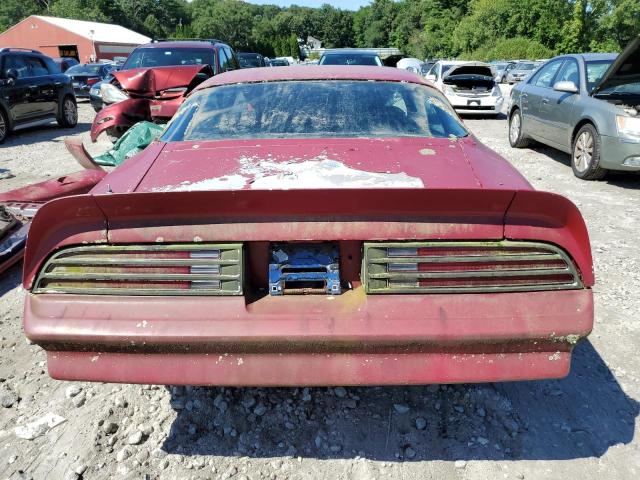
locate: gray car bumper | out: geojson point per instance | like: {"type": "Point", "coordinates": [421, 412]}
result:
{"type": "Point", "coordinates": [620, 153]}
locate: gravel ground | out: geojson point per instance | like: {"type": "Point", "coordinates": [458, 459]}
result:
{"type": "Point", "coordinates": [583, 426]}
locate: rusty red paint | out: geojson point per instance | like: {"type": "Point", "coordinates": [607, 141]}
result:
{"type": "Point", "coordinates": [479, 335]}
{"type": "Point", "coordinates": [72, 184]}
{"type": "Point", "coordinates": [468, 193]}
{"type": "Point", "coordinates": [314, 72]}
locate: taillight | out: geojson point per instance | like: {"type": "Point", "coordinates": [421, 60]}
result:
{"type": "Point", "coordinates": [452, 267]}
{"type": "Point", "coordinates": [194, 269]}
{"type": "Point", "coordinates": [92, 81]}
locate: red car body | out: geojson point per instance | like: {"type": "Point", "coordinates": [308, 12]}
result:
{"type": "Point", "coordinates": [472, 199]}
{"type": "Point", "coordinates": [155, 95]}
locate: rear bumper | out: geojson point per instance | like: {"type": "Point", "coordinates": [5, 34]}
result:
{"type": "Point", "coordinates": [351, 339]}
{"type": "Point", "coordinates": [477, 106]}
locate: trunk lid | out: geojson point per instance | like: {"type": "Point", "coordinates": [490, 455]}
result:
{"type": "Point", "coordinates": [470, 68]}
{"type": "Point", "coordinates": [278, 164]}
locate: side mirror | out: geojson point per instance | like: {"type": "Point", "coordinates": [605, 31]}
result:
{"type": "Point", "coordinates": [12, 75]}
{"type": "Point", "coordinates": [431, 78]}
{"type": "Point", "coordinates": [566, 86]}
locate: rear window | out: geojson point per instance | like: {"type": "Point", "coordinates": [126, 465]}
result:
{"type": "Point", "coordinates": [526, 66]}
{"type": "Point", "coordinates": [167, 57]}
{"type": "Point", "coordinates": [351, 59]}
{"type": "Point", "coordinates": [247, 60]}
{"type": "Point", "coordinates": [84, 70]}
{"type": "Point", "coordinates": [314, 109]}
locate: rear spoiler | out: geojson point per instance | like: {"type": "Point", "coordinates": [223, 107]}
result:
{"type": "Point", "coordinates": [304, 215]}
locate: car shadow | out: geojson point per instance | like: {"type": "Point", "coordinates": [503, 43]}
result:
{"type": "Point", "coordinates": [620, 179]}
{"type": "Point", "coordinates": [43, 133]}
{"type": "Point", "coordinates": [576, 417]}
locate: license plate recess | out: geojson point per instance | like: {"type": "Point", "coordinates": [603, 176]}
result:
{"type": "Point", "coordinates": [304, 269]}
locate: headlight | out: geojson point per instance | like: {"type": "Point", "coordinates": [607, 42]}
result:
{"type": "Point", "coordinates": [448, 90]}
{"type": "Point", "coordinates": [112, 94]}
{"type": "Point", "coordinates": [496, 92]}
{"type": "Point", "coordinates": [628, 126]}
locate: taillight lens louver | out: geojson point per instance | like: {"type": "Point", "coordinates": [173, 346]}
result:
{"type": "Point", "coordinates": [158, 269]}
{"type": "Point", "coordinates": [459, 267]}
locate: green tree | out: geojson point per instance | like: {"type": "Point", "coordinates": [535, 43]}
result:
{"type": "Point", "coordinates": [13, 11]}
{"type": "Point", "coordinates": [228, 20]}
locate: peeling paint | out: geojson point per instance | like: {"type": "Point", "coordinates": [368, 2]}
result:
{"type": "Point", "coordinates": [427, 151]}
{"type": "Point", "coordinates": [555, 357]}
{"type": "Point", "coordinates": [227, 182]}
{"type": "Point", "coordinates": [318, 172]}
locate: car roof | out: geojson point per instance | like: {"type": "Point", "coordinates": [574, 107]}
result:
{"type": "Point", "coordinates": [313, 72]}
{"type": "Point", "coordinates": [350, 51]}
{"type": "Point", "coordinates": [179, 44]}
{"type": "Point", "coordinates": [597, 56]}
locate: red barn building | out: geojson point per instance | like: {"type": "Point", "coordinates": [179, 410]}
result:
{"type": "Point", "coordinates": [63, 37]}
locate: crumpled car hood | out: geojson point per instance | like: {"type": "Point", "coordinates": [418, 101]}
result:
{"type": "Point", "coordinates": [148, 81]}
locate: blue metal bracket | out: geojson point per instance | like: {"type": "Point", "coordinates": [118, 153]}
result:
{"type": "Point", "coordinates": [304, 269]}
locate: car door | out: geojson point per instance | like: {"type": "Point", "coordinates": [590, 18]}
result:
{"type": "Point", "coordinates": [558, 111]}
{"type": "Point", "coordinates": [42, 87]}
{"type": "Point", "coordinates": [17, 94]}
{"type": "Point", "coordinates": [535, 96]}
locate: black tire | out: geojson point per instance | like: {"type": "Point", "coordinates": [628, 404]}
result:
{"type": "Point", "coordinates": [4, 126]}
{"type": "Point", "coordinates": [516, 137]}
{"type": "Point", "coordinates": [585, 154]}
{"type": "Point", "coordinates": [67, 112]}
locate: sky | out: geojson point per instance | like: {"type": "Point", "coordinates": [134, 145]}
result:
{"type": "Point", "coordinates": [344, 4]}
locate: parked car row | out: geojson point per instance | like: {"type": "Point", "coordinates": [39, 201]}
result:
{"type": "Point", "coordinates": [586, 105]}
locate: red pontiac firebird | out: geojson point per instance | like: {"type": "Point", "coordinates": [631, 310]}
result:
{"type": "Point", "coordinates": [310, 226]}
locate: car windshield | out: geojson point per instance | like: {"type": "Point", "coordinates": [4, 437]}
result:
{"type": "Point", "coordinates": [303, 109]}
{"type": "Point", "coordinates": [351, 59]}
{"type": "Point", "coordinates": [525, 66]}
{"type": "Point", "coordinates": [166, 57]}
{"type": "Point", "coordinates": [595, 72]}
{"type": "Point", "coordinates": [84, 70]}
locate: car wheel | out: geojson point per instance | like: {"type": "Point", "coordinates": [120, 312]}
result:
{"type": "Point", "coordinates": [4, 126]}
{"type": "Point", "coordinates": [68, 114]}
{"type": "Point", "coordinates": [585, 154]}
{"type": "Point", "coordinates": [516, 137]}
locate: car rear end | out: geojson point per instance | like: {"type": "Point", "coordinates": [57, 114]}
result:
{"type": "Point", "coordinates": [309, 287]}
{"type": "Point", "coordinates": [83, 77]}
{"type": "Point", "coordinates": [472, 89]}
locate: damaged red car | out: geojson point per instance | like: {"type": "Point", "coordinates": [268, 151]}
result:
{"type": "Point", "coordinates": [310, 226]}
{"type": "Point", "coordinates": [155, 80]}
